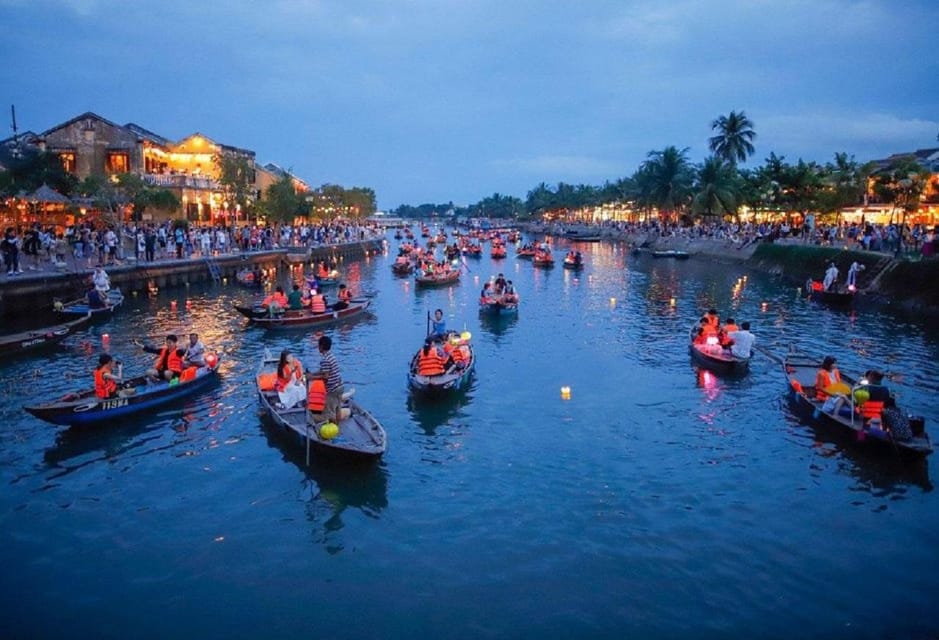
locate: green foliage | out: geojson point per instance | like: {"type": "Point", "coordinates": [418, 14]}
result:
{"type": "Point", "coordinates": [281, 203]}
{"type": "Point", "coordinates": [800, 262]}
{"type": "Point", "coordinates": [497, 206]}
{"type": "Point", "coordinates": [734, 140]}
{"type": "Point", "coordinates": [31, 170]}
{"type": "Point", "coordinates": [331, 200]}
{"type": "Point", "coordinates": [236, 177]}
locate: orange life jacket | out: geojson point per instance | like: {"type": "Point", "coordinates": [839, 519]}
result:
{"type": "Point", "coordinates": [277, 297]}
{"type": "Point", "coordinates": [823, 381]}
{"type": "Point", "coordinates": [318, 303]}
{"type": "Point", "coordinates": [188, 374]}
{"type": "Point", "coordinates": [316, 395]}
{"type": "Point", "coordinates": [169, 359]}
{"type": "Point", "coordinates": [284, 374]}
{"type": "Point", "coordinates": [871, 409]}
{"type": "Point", "coordinates": [455, 352]}
{"type": "Point", "coordinates": [104, 387]}
{"type": "Point", "coordinates": [345, 295]}
{"type": "Point", "coordinates": [713, 320]}
{"type": "Point", "coordinates": [430, 363]}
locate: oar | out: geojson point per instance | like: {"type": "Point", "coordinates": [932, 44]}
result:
{"type": "Point", "coordinates": [768, 354]}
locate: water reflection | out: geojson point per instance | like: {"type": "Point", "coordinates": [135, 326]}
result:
{"type": "Point", "coordinates": [430, 413]}
{"type": "Point", "coordinates": [497, 324]}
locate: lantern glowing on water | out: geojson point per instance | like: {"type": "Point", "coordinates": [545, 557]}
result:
{"type": "Point", "coordinates": [173, 305]}
{"type": "Point", "coordinates": [105, 339]}
{"type": "Point", "coordinates": [211, 360]}
{"type": "Point", "coordinates": [565, 393]}
{"type": "Point", "coordinates": [612, 302]}
{"type": "Point", "coordinates": [764, 306]}
{"type": "Point", "coordinates": [672, 302]}
{"type": "Point", "coordinates": [852, 288]}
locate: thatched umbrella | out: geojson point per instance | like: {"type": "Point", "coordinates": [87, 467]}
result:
{"type": "Point", "coordinates": [45, 195]}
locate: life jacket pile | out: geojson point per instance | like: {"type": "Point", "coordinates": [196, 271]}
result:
{"type": "Point", "coordinates": [316, 395]}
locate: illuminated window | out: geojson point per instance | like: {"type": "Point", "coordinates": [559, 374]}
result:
{"type": "Point", "coordinates": [68, 161]}
{"type": "Point", "coordinates": [118, 162]}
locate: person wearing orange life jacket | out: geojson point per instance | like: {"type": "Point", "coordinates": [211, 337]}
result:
{"type": "Point", "coordinates": [729, 326]}
{"type": "Point", "coordinates": [877, 394]}
{"type": "Point", "coordinates": [276, 302]}
{"type": "Point", "coordinates": [456, 353]}
{"type": "Point", "coordinates": [704, 331]}
{"type": "Point", "coordinates": [345, 296]}
{"type": "Point", "coordinates": [169, 362]}
{"type": "Point", "coordinates": [430, 362]}
{"type": "Point", "coordinates": [317, 302]}
{"type": "Point", "coordinates": [105, 378]}
{"type": "Point", "coordinates": [713, 319]}
{"type": "Point", "coordinates": [826, 376]}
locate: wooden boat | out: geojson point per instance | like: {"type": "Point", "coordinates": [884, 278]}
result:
{"type": "Point", "coordinates": [800, 374]}
{"type": "Point", "coordinates": [84, 408]}
{"type": "Point", "coordinates": [816, 292]}
{"type": "Point", "coordinates": [15, 343]}
{"type": "Point", "coordinates": [304, 318]}
{"type": "Point", "coordinates": [453, 380]}
{"type": "Point", "coordinates": [249, 277]}
{"type": "Point", "coordinates": [80, 307]}
{"type": "Point", "coordinates": [437, 280]}
{"type": "Point", "coordinates": [543, 259]}
{"type": "Point", "coordinates": [361, 436]}
{"type": "Point", "coordinates": [525, 253]}
{"type": "Point", "coordinates": [497, 252]}
{"type": "Point", "coordinates": [573, 263]}
{"type": "Point", "coordinates": [671, 253]}
{"type": "Point", "coordinates": [499, 306]}
{"type": "Point", "coordinates": [717, 359]}
{"type": "Point", "coordinates": [402, 268]}
{"type": "Point", "coordinates": [472, 250]}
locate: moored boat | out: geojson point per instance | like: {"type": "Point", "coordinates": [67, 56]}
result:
{"type": "Point", "coordinates": [543, 259]}
{"type": "Point", "coordinates": [138, 394]}
{"type": "Point", "coordinates": [454, 378]}
{"type": "Point", "coordinates": [800, 372]}
{"type": "Point", "coordinates": [301, 319]}
{"type": "Point", "coordinates": [575, 261]}
{"type": "Point", "coordinates": [671, 253]}
{"type": "Point", "coordinates": [15, 343]}
{"type": "Point", "coordinates": [80, 306]}
{"type": "Point", "coordinates": [249, 277]}
{"type": "Point", "coordinates": [359, 436]}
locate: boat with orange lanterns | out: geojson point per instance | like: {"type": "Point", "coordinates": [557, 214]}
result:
{"type": "Point", "coordinates": [136, 395]}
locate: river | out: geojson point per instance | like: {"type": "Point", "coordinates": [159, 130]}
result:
{"type": "Point", "coordinates": [657, 501]}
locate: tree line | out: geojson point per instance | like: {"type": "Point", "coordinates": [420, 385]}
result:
{"type": "Point", "coordinates": [668, 183]}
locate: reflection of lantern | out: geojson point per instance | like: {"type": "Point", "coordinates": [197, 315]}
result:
{"type": "Point", "coordinates": [565, 393]}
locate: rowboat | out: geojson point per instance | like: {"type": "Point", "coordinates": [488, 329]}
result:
{"type": "Point", "coordinates": [437, 279]}
{"type": "Point", "coordinates": [361, 436]}
{"type": "Point", "coordinates": [453, 379]}
{"type": "Point", "coordinates": [497, 252]}
{"type": "Point", "coordinates": [671, 253]}
{"type": "Point", "coordinates": [800, 374]}
{"type": "Point", "coordinates": [525, 253]}
{"type": "Point", "coordinates": [16, 343]}
{"type": "Point", "coordinates": [717, 359]}
{"type": "Point", "coordinates": [543, 259]}
{"type": "Point", "coordinates": [816, 292]}
{"type": "Point", "coordinates": [80, 306]}
{"type": "Point", "coordinates": [304, 318]}
{"type": "Point", "coordinates": [498, 305]}
{"type": "Point", "coordinates": [138, 394]}
{"type": "Point", "coordinates": [402, 268]}
{"type": "Point", "coordinates": [249, 277]}
{"type": "Point", "coordinates": [573, 263]}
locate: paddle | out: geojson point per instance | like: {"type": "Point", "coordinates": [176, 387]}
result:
{"type": "Point", "coordinates": [769, 355]}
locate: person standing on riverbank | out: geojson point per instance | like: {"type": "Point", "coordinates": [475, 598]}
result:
{"type": "Point", "coordinates": [11, 252]}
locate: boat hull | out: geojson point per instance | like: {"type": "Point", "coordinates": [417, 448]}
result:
{"type": "Point", "coordinates": [302, 319]}
{"type": "Point", "coordinates": [26, 341]}
{"type": "Point", "coordinates": [716, 360]}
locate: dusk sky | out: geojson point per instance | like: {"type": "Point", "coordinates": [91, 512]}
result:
{"type": "Point", "coordinates": [436, 101]}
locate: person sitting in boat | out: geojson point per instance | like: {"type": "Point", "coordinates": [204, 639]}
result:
{"type": "Point", "coordinates": [438, 327]}
{"type": "Point", "coordinates": [704, 331]}
{"type": "Point", "coordinates": [289, 384]}
{"type": "Point", "coordinates": [713, 319]}
{"type": "Point", "coordinates": [724, 334]}
{"type": "Point", "coordinates": [276, 302]}
{"type": "Point", "coordinates": [106, 380]}
{"type": "Point", "coordinates": [895, 421]}
{"type": "Point", "coordinates": [344, 298]}
{"type": "Point", "coordinates": [322, 271]}
{"type": "Point", "coordinates": [831, 277]}
{"type": "Point", "coordinates": [169, 362]}
{"type": "Point", "coordinates": [825, 378]}
{"type": "Point", "coordinates": [499, 284]}
{"type": "Point", "coordinates": [317, 302]}
{"type": "Point", "coordinates": [98, 299]}
{"type": "Point", "coordinates": [194, 355]}
{"type": "Point", "coordinates": [509, 295]}
{"type": "Point", "coordinates": [457, 354]}
{"type": "Point", "coordinates": [870, 404]}
{"type": "Point", "coordinates": [431, 361]}
{"type": "Point", "coordinates": [101, 280]}
{"type": "Point", "coordinates": [295, 299]}
{"type": "Point", "coordinates": [741, 340]}
{"type": "Point", "coordinates": [486, 295]}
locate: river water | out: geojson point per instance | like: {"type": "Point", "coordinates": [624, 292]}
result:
{"type": "Point", "coordinates": [657, 501]}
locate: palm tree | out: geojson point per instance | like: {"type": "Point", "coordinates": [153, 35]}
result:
{"type": "Point", "coordinates": [665, 179]}
{"type": "Point", "coordinates": [716, 188]}
{"type": "Point", "coordinates": [733, 142]}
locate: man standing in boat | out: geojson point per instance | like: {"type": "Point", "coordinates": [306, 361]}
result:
{"type": "Point", "coordinates": [831, 276]}
{"type": "Point", "coordinates": [329, 371]}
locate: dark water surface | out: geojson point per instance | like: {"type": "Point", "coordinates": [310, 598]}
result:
{"type": "Point", "coordinates": [657, 501]}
